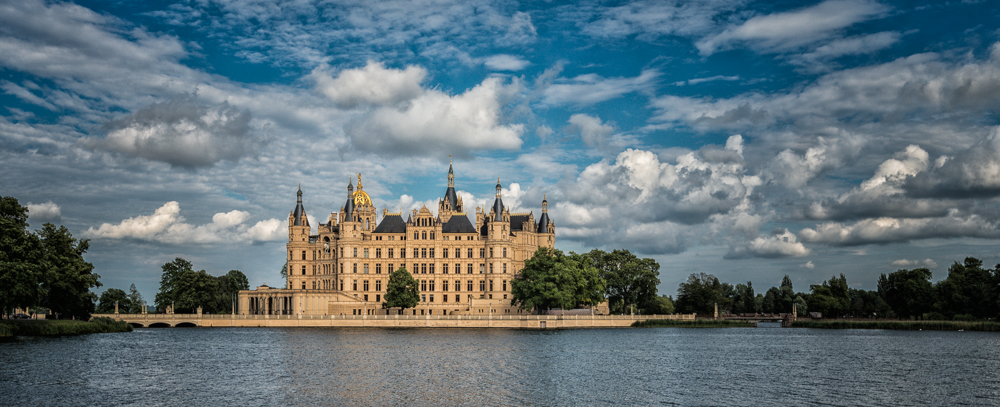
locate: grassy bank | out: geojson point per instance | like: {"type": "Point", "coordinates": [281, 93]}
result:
{"type": "Point", "coordinates": [10, 328]}
{"type": "Point", "coordinates": [902, 325]}
{"type": "Point", "coordinates": [697, 323]}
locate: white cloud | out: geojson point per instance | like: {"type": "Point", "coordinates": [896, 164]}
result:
{"type": "Point", "coordinates": [44, 212]}
{"type": "Point", "coordinates": [892, 230]}
{"type": "Point", "coordinates": [696, 81]}
{"type": "Point", "coordinates": [651, 19]}
{"type": "Point", "coordinates": [929, 263]}
{"type": "Point", "coordinates": [505, 62]}
{"type": "Point", "coordinates": [585, 90]}
{"type": "Point", "coordinates": [792, 29]}
{"type": "Point", "coordinates": [809, 265]}
{"type": "Point", "coordinates": [435, 122]}
{"type": "Point", "coordinates": [370, 85]}
{"type": "Point", "coordinates": [781, 243]}
{"type": "Point", "coordinates": [167, 226]}
{"type": "Point", "coordinates": [856, 45]}
{"type": "Point", "coordinates": [592, 131]}
{"type": "Point", "coordinates": [183, 133]}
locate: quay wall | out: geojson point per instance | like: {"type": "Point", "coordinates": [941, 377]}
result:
{"type": "Point", "coordinates": [392, 321]}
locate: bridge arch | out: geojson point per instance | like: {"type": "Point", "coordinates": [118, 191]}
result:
{"type": "Point", "coordinates": [135, 324]}
{"type": "Point", "coordinates": [159, 325]}
{"type": "Point", "coordinates": [185, 325]}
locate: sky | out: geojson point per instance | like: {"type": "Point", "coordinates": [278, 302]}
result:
{"type": "Point", "coordinates": [744, 139]}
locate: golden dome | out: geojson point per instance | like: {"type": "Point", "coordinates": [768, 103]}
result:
{"type": "Point", "coordinates": [360, 196]}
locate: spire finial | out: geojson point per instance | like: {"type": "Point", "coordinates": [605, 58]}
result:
{"type": "Point", "coordinates": [359, 180]}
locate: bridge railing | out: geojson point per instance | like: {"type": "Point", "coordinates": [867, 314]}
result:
{"type": "Point", "coordinates": [192, 317]}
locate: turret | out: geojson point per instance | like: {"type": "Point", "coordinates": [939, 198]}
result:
{"type": "Point", "coordinates": [349, 206]}
{"type": "Point", "coordinates": [298, 222]}
{"type": "Point", "coordinates": [543, 221]}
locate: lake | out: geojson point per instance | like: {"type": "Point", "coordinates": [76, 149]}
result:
{"type": "Point", "coordinates": [672, 366]}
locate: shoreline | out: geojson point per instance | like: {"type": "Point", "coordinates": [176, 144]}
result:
{"type": "Point", "coordinates": [980, 326]}
{"type": "Point", "coordinates": [10, 328]}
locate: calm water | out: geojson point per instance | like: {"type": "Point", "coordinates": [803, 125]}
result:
{"type": "Point", "coordinates": [235, 367]}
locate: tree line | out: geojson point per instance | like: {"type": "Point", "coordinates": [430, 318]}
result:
{"type": "Point", "coordinates": [44, 268]}
{"type": "Point", "coordinates": [185, 289]}
{"type": "Point", "coordinates": [552, 279]}
{"type": "Point", "coordinates": [969, 292]}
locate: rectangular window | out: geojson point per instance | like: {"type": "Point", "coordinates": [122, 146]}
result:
{"type": "Point", "coordinates": [458, 253]}
{"type": "Point", "coordinates": [431, 297]}
{"type": "Point", "coordinates": [355, 252]}
{"type": "Point", "coordinates": [303, 255]}
{"type": "Point", "coordinates": [491, 268]}
{"type": "Point", "coordinates": [378, 285]}
{"type": "Point", "coordinates": [491, 252]}
{"type": "Point", "coordinates": [416, 235]}
{"type": "Point", "coordinates": [444, 298]}
{"type": "Point", "coordinates": [364, 284]}
{"type": "Point", "coordinates": [341, 285]}
{"type": "Point", "coordinates": [366, 297]}
{"type": "Point", "coordinates": [378, 253]}
{"type": "Point", "coordinates": [430, 285]}
{"type": "Point", "coordinates": [423, 298]}
{"type": "Point", "coordinates": [423, 236]}
{"type": "Point", "coordinates": [505, 252]}
{"type": "Point", "coordinates": [444, 268]}
{"type": "Point", "coordinates": [432, 235]}
{"type": "Point", "coordinates": [444, 285]}
{"type": "Point", "coordinates": [431, 253]}
{"type": "Point", "coordinates": [458, 286]}
{"type": "Point", "coordinates": [431, 268]}
{"type": "Point", "coordinates": [444, 253]}
{"type": "Point", "coordinates": [378, 268]}
{"type": "Point", "coordinates": [482, 268]}
{"type": "Point", "coordinates": [402, 253]}
{"type": "Point", "coordinates": [469, 269]}
{"type": "Point", "coordinates": [389, 270]}
{"type": "Point", "coordinates": [423, 268]}
{"type": "Point", "coordinates": [482, 253]}
{"type": "Point", "coordinates": [491, 285]}
{"type": "Point", "coordinates": [355, 268]}
{"type": "Point", "coordinates": [366, 252]}
{"type": "Point", "coordinates": [505, 285]}
{"type": "Point", "coordinates": [416, 268]}
{"type": "Point", "coordinates": [423, 253]}
{"type": "Point", "coordinates": [366, 268]}
{"type": "Point", "coordinates": [378, 297]}
{"type": "Point", "coordinates": [458, 268]}
{"type": "Point", "coordinates": [423, 285]}
{"type": "Point", "coordinates": [390, 252]}
{"type": "Point", "coordinates": [469, 253]}
{"type": "Point", "coordinates": [416, 253]}
{"type": "Point", "coordinates": [482, 285]}
{"type": "Point", "coordinates": [341, 252]}
{"type": "Point", "coordinates": [355, 285]}
{"type": "Point", "coordinates": [303, 270]}
{"type": "Point", "coordinates": [469, 287]}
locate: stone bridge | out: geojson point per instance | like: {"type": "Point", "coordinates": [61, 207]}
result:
{"type": "Point", "coordinates": [387, 321]}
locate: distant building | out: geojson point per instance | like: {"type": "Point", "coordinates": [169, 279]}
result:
{"type": "Point", "coordinates": [344, 267]}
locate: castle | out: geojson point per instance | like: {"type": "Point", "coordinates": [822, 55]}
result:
{"type": "Point", "coordinates": [461, 267]}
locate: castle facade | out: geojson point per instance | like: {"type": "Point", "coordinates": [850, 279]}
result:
{"type": "Point", "coordinates": [343, 266]}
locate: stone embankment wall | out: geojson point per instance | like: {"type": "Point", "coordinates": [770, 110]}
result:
{"type": "Point", "coordinates": [392, 321]}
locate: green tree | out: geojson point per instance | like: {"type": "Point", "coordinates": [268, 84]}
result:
{"type": "Point", "coordinates": [169, 280]}
{"type": "Point", "coordinates": [197, 289]}
{"type": "Point", "coordinates": [67, 277]}
{"type": "Point", "coordinates": [743, 300]}
{"type": "Point", "coordinates": [909, 293]}
{"type": "Point", "coordinates": [968, 290]}
{"type": "Point", "coordinates": [229, 286]}
{"type": "Point", "coordinates": [111, 296]}
{"type": "Point", "coordinates": [284, 273]}
{"type": "Point", "coordinates": [699, 294]}
{"type": "Point", "coordinates": [630, 281]}
{"type": "Point", "coordinates": [867, 304]}
{"type": "Point", "coordinates": [662, 305]}
{"type": "Point", "coordinates": [401, 291]}
{"type": "Point", "coordinates": [830, 298]}
{"type": "Point", "coordinates": [551, 279]}
{"type": "Point", "coordinates": [135, 300]}
{"type": "Point", "coordinates": [20, 258]}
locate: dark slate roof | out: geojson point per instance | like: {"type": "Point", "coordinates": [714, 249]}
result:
{"type": "Point", "coordinates": [458, 224]}
{"type": "Point", "coordinates": [498, 207]}
{"type": "Point", "coordinates": [517, 222]}
{"type": "Point", "coordinates": [451, 197]}
{"type": "Point", "coordinates": [391, 224]}
{"type": "Point", "coordinates": [299, 210]}
{"type": "Point", "coordinates": [543, 223]}
{"type": "Point", "coordinates": [484, 230]}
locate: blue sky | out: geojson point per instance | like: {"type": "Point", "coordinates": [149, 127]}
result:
{"type": "Point", "coordinates": [744, 139]}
